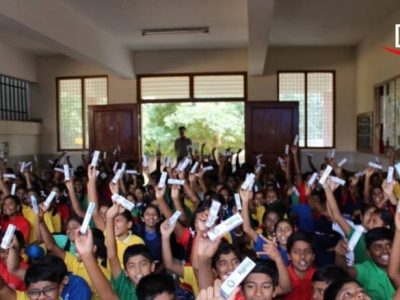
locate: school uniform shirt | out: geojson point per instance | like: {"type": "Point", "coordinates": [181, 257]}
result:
{"type": "Point", "coordinates": [62, 242]}
{"type": "Point", "coordinates": [301, 287]}
{"type": "Point", "coordinates": [20, 223]}
{"type": "Point", "coordinates": [375, 280]}
{"type": "Point", "coordinates": [130, 240]}
{"type": "Point", "coordinates": [360, 250]}
{"type": "Point", "coordinates": [123, 287]}
{"type": "Point", "coordinates": [76, 288]}
{"type": "Point", "coordinates": [12, 281]}
{"type": "Point", "coordinates": [190, 279]}
{"type": "Point", "coordinates": [260, 210]}
{"type": "Point", "coordinates": [29, 215]}
{"type": "Point", "coordinates": [78, 268]}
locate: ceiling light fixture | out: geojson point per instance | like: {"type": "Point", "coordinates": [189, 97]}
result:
{"type": "Point", "coordinates": [179, 30]}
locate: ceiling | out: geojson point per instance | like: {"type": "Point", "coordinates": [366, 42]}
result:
{"type": "Point", "coordinates": [252, 24]}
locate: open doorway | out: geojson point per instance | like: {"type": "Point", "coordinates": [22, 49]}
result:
{"type": "Point", "coordinates": [218, 124]}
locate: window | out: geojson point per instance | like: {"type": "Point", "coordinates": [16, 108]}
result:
{"type": "Point", "coordinates": [74, 95]}
{"type": "Point", "coordinates": [315, 93]}
{"type": "Point", "coordinates": [14, 99]}
{"type": "Point", "coordinates": [192, 87]}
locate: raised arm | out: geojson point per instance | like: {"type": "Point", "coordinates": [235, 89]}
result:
{"type": "Point", "coordinates": [84, 246]}
{"type": "Point", "coordinates": [92, 197]}
{"type": "Point", "coordinates": [368, 174]}
{"type": "Point", "coordinates": [76, 205]}
{"type": "Point", "coordinates": [13, 260]}
{"type": "Point", "coordinates": [48, 238]}
{"type": "Point", "coordinates": [246, 197]}
{"type": "Point", "coordinates": [272, 252]}
{"type": "Point", "coordinates": [334, 209]}
{"type": "Point", "coordinates": [6, 292]}
{"type": "Point", "coordinates": [295, 153]}
{"type": "Point", "coordinates": [110, 241]}
{"type": "Point", "coordinates": [168, 260]}
{"type": "Point", "coordinates": [175, 195]}
{"type": "Point", "coordinates": [205, 251]}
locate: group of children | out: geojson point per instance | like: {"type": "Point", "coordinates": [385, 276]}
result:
{"type": "Point", "coordinates": [216, 229]}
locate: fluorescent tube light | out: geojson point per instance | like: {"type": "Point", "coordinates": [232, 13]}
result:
{"type": "Point", "coordinates": [180, 30]}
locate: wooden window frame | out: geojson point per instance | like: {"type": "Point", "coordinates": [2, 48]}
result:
{"type": "Point", "coordinates": [82, 78]}
{"type": "Point", "coordinates": [191, 88]}
{"type": "Point", "coordinates": [306, 72]}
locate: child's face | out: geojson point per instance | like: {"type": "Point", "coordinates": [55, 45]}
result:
{"type": "Point", "coordinates": [225, 265]}
{"type": "Point", "coordinates": [379, 251]}
{"type": "Point", "coordinates": [283, 231]}
{"type": "Point", "coordinates": [72, 226]}
{"type": "Point", "coordinates": [302, 256]}
{"type": "Point", "coordinates": [373, 220]}
{"type": "Point", "coordinates": [121, 226]}
{"type": "Point", "coordinates": [165, 296]}
{"type": "Point", "coordinates": [200, 221]}
{"type": "Point", "coordinates": [137, 267]}
{"type": "Point", "coordinates": [150, 217]}
{"type": "Point", "coordinates": [258, 286]}
{"type": "Point", "coordinates": [271, 197]}
{"type": "Point", "coordinates": [258, 199]}
{"type": "Point", "coordinates": [270, 221]}
{"type": "Point", "coordinates": [352, 291]}
{"type": "Point", "coordinates": [378, 197]}
{"type": "Point", "coordinates": [319, 288]}
{"type": "Point", "coordinates": [44, 290]}
{"type": "Point", "coordinates": [10, 208]}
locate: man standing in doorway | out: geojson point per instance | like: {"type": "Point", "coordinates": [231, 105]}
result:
{"type": "Point", "coordinates": [182, 143]}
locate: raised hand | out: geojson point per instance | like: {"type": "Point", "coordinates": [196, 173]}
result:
{"type": "Point", "coordinates": [167, 229]}
{"type": "Point", "coordinates": [91, 173]}
{"type": "Point", "coordinates": [84, 242]}
{"type": "Point", "coordinates": [214, 293]}
{"type": "Point", "coordinates": [207, 248]}
{"type": "Point", "coordinates": [270, 249]}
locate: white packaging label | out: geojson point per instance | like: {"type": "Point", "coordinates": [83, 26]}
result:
{"type": "Point", "coordinates": [125, 203]}
{"type": "Point", "coordinates": [375, 165]}
{"type": "Point", "coordinates": [224, 227]}
{"type": "Point", "coordinates": [13, 189]}
{"type": "Point", "coordinates": [95, 158]}
{"type": "Point", "coordinates": [259, 156]}
{"type": "Point", "coordinates": [117, 176]}
{"type": "Point", "coordinates": [28, 165]}
{"type": "Point", "coordinates": [176, 181]}
{"type": "Point", "coordinates": [22, 167]}
{"type": "Point", "coordinates": [325, 175]}
{"type": "Point", "coordinates": [194, 167]}
{"type": "Point", "coordinates": [88, 217]}
{"type": "Point", "coordinates": [9, 175]}
{"type": "Point", "coordinates": [296, 140]}
{"type": "Point", "coordinates": [398, 207]}
{"type": "Point", "coordinates": [104, 155]}
{"type": "Point", "coordinates": [238, 275]}
{"type": "Point", "coordinates": [49, 199]}
{"type": "Point", "coordinates": [389, 177]}
{"type": "Point", "coordinates": [333, 153]}
{"type": "Point", "coordinates": [213, 213]}
{"type": "Point", "coordinates": [184, 164]}
{"type": "Point", "coordinates": [163, 179]}
{"type": "Point", "coordinates": [35, 206]}
{"type": "Point", "coordinates": [123, 167]}
{"type": "Point", "coordinates": [115, 167]}
{"type": "Point", "coordinates": [208, 168]}
{"type": "Point", "coordinates": [66, 173]}
{"type": "Point", "coordinates": [131, 172]}
{"type": "Point", "coordinates": [359, 174]}
{"type": "Point", "coordinates": [249, 178]}
{"type": "Point", "coordinates": [397, 167]}
{"type": "Point", "coordinates": [238, 201]}
{"type": "Point", "coordinates": [8, 236]}
{"type": "Point", "coordinates": [174, 218]}
{"type": "Point", "coordinates": [312, 179]}
{"type": "Point", "coordinates": [281, 161]}
{"type": "Point", "coordinates": [342, 162]}
{"type": "Point", "coordinates": [338, 180]}
{"type": "Point", "coordinates": [358, 231]}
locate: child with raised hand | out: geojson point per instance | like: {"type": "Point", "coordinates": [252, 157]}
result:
{"type": "Point", "coordinates": [137, 261]}
{"type": "Point", "coordinates": [185, 272]}
{"type": "Point", "coordinates": [84, 246]}
{"type": "Point", "coordinates": [300, 247]}
{"type": "Point", "coordinates": [271, 220]}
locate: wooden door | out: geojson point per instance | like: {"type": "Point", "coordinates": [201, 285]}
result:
{"type": "Point", "coordinates": [269, 126]}
{"type": "Point", "coordinates": [113, 125]}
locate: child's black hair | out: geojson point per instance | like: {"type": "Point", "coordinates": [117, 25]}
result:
{"type": "Point", "coordinates": [329, 274]}
{"type": "Point", "coordinates": [49, 268]}
{"type": "Point", "coordinates": [267, 267]}
{"type": "Point", "coordinates": [377, 234]}
{"type": "Point", "coordinates": [333, 289]}
{"type": "Point", "coordinates": [153, 285]}
{"type": "Point", "coordinates": [224, 248]}
{"type": "Point", "coordinates": [136, 250]}
{"type": "Point", "coordinates": [300, 236]}
{"type": "Point", "coordinates": [98, 241]}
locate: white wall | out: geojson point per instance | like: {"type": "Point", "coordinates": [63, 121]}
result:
{"type": "Point", "coordinates": [17, 63]}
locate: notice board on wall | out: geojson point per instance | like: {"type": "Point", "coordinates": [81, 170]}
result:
{"type": "Point", "coordinates": [364, 132]}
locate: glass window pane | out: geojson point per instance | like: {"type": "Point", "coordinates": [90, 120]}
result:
{"type": "Point", "coordinates": [95, 94]}
{"type": "Point", "coordinates": [166, 87]}
{"type": "Point", "coordinates": [219, 86]}
{"type": "Point", "coordinates": [292, 88]}
{"type": "Point", "coordinates": [70, 114]}
{"type": "Point", "coordinates": [320, 109]}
